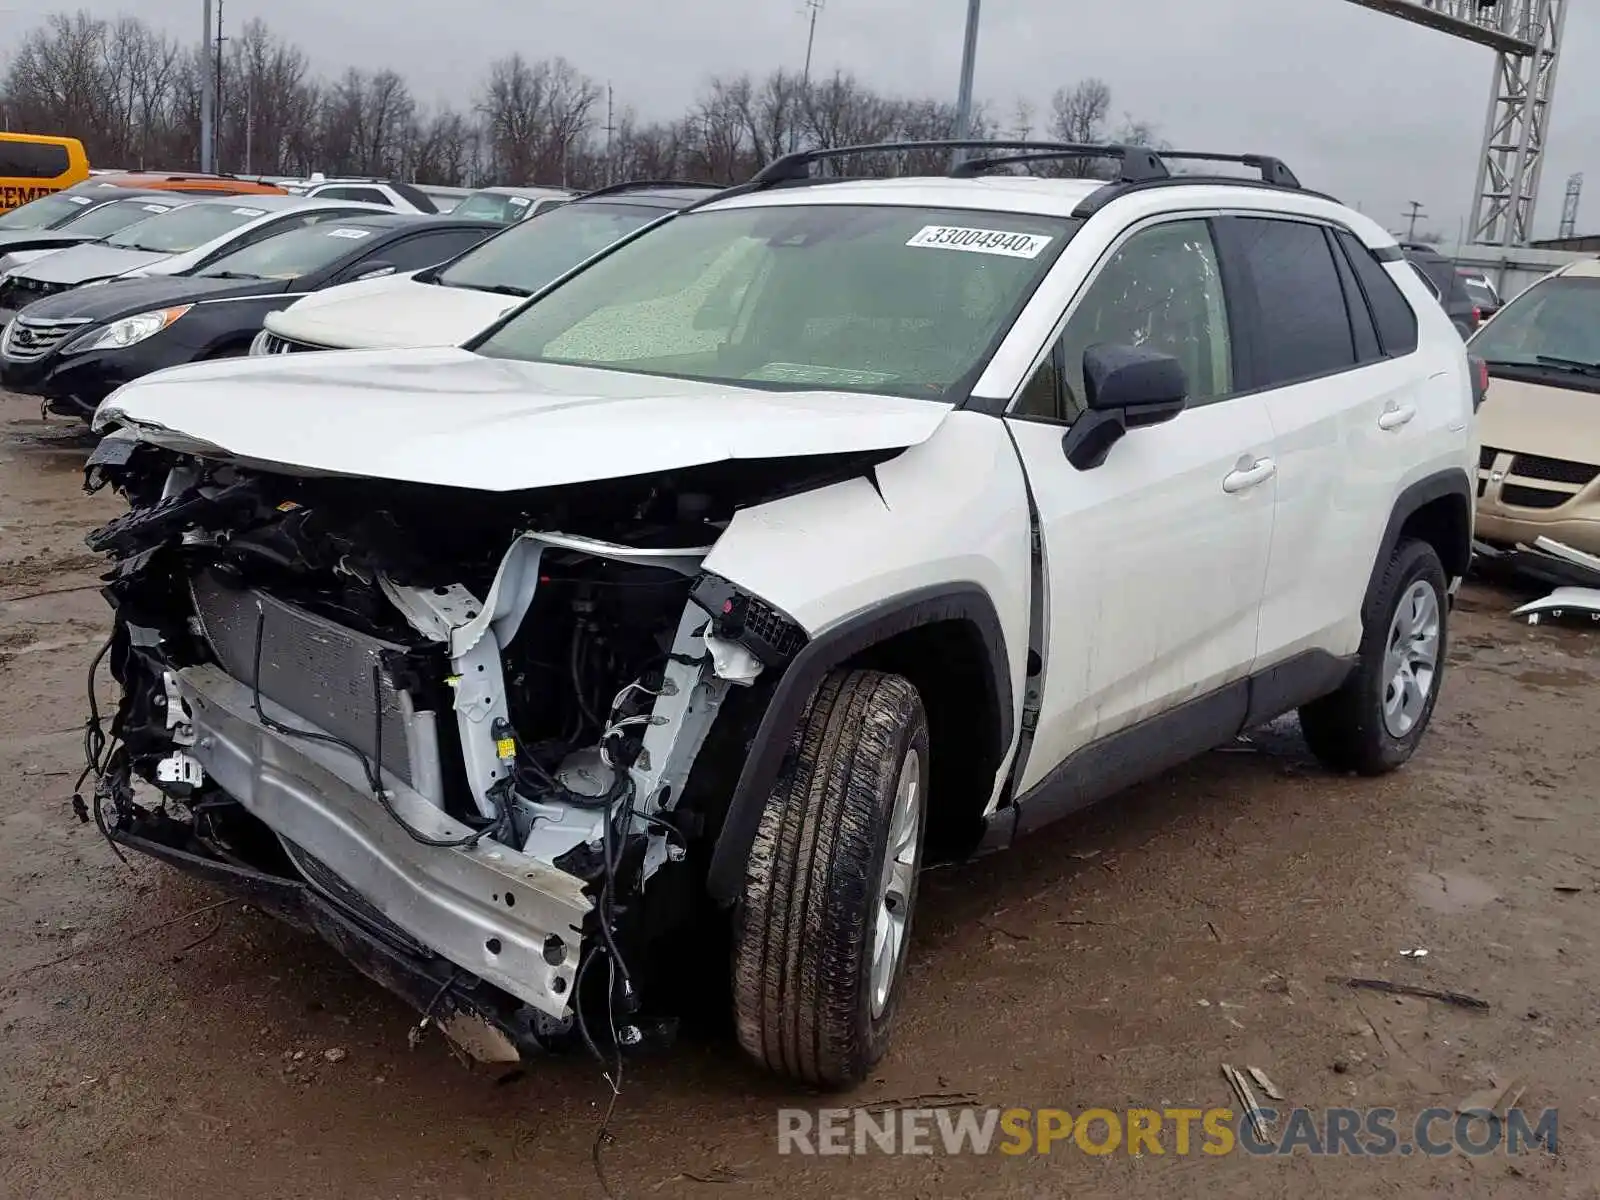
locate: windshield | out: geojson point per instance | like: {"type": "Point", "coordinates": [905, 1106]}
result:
{"type": "Point", "coordinates": [526, 257]}
{"type": "Point", "coordinates": [44, 212]}
{"type": "Point", "coordinates": [898, 301]}
{"type": "Point", "coordinates": [182, 229]}
{"type": "Point", "coordinates": [492, 206]}
{"type": "Point", "coordinates": [108, 218]}
{"type": "Point", "coordinates": [1555, 323]}
{"type": "Point", "coordinates": [290, 255]}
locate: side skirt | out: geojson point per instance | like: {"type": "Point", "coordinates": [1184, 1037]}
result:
{"type": "Point", "coordinates": [1108, 766]}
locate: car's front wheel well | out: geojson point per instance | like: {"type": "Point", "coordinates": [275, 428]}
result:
{"type": "Point", "coordinates": [948, 662]}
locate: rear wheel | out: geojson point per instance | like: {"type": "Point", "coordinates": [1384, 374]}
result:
{"type": "Point", "coordinates": [822, 927]}
{"type": "Point", "coordinates": [1374, 723]}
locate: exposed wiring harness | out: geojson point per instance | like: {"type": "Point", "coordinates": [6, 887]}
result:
{"type": "Point", "coordinates": [98, 753]}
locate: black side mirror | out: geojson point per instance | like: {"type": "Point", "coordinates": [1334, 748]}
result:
{"type": "Point", "coordinates": [1125, 387]}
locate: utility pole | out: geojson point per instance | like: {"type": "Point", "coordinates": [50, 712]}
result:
{"type": "Point", "coordinates": [805, 75]}
{"type": "Point", "coordinates": [969, 57]}
{"type": "Point", "coordinates": [207, 97]}
{"type": "Point", "coordinates": [611, 129]}
{"type": "Point", "coordinates": [216, 128]}
{"type": "Point", "coordinates": [1414, 216]}
{"type": "Point", "coordinates": [811, 40]}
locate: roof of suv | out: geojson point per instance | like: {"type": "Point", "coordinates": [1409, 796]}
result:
{"type": "Point", "coordinates": [655, 194]}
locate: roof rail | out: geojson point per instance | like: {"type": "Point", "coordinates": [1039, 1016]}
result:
{"type": "Point", "coordinates": [633, 185]}
{"type": "Point", "coordinates": [1138, 162]}
{"type": "Point", "coordinates": [1272, 169]}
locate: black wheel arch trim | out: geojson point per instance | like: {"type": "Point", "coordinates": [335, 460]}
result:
{"type": "Point", "coordinates": [1438, 486]}
{"type": "Point", "coordinates": [894, 616]}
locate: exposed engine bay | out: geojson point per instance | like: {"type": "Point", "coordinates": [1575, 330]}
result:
{"type": "Point", "coordinates": [486, 736]}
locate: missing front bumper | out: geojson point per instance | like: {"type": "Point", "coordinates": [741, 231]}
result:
{"type": "Point", "coordinates": [511, 920]}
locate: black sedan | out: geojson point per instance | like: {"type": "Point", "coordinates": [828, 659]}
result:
{"type": "Point", "coordinates": [75, 349]}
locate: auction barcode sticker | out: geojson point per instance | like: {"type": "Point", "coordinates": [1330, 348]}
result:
{"type": "Point", "coordinates": [981, 241]}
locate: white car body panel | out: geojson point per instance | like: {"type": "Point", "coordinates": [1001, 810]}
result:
{"type": "Point", "coordinates": [20, 258]}
{"type": "Point", "coordinates": [1346, 451]}
{"type": "Point", "coordinates": [455, 419]}
{"type": "Point", "coordinates": [394, 312]}
{"type": "Point", "coordinates": [952, 510]}
{"type": "Point", "coordinates": [1155, 573]}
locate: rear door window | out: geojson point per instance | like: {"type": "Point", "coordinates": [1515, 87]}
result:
{"type": "Point", "coordinates": [1303, 326]}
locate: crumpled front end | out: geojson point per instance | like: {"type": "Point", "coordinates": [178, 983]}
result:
{"type": "Point", "coordinates": [474, 752]}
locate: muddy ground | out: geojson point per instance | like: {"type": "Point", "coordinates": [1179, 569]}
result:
{"type": "Point", "coordinates": [149, 1051]}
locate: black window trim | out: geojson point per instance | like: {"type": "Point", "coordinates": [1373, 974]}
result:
{"type": "Point", "coordinates": [1252, 315]}
{"type": "Point", "coordinates": [1052, 345]}
{"type": "Point", "coordinates": [1382, 257]}
{"type": "Point", "coordinates": [1355, 299]}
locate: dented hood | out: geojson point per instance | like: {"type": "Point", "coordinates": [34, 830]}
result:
{"type": "Point", "coordinates": [455, 419]}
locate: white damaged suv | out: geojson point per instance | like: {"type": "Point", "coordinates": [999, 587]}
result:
{"type": "Point", "coordinates": [826, 530]}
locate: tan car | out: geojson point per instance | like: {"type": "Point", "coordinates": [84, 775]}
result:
{"type": "Point", "coordinates": [1539, 471]}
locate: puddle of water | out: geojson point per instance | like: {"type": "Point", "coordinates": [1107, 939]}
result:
{"type": "Point", "coordinates": [1451, 891]}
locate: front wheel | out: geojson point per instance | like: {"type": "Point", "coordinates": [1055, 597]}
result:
{"type": "Point", "coordinates": [1373, 724]}
{"type": "Point", "coordinates": [821, 929]}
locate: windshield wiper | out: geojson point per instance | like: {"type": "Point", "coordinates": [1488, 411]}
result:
{"type": "Point", "coordinates": [232, 275]}
{"type": "Point", "coordinates": [1576, 365]}
{"type": "Point", "coordinates": [499, 289]}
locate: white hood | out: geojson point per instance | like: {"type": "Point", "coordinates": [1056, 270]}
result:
{"type": "Point", "coordinates": [447, 417]}
{"type": "Point", "coordinates": [395, 312]}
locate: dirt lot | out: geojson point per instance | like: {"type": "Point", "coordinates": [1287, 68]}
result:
{"type": "Point", "coordinates": [1115, 962]}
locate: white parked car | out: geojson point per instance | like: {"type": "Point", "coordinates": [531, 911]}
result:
{"type": "Point", "coordinates": [825, 531]}
{"type": "Point", "coordinates": [401, 197]}
{"type": "Point", "coordinates": [508, 205]}
{"type": "Point", "coordinates": [172, 242]}
{"type": "Point", "coordinates": [446, 305]}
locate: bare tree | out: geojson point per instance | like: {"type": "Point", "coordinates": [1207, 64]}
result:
{"type": "Point", "coordinates": [536, 116]}
{"type": "Point", "coordinates": [132, 95]}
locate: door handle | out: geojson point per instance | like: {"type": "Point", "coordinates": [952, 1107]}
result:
{"type": "Point", "coordinates": [1396, 415]}
{"type": "Point", "coordinates": [1243, 478]}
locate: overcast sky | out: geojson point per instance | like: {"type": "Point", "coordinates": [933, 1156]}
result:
{"type": "Point", "coordinates": [1373, 109]}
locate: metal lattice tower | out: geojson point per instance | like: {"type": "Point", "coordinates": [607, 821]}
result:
{"type": "Point", "coordinates": [1569, 210]}
{"type": "Point", "coordinates": [1526, 38]}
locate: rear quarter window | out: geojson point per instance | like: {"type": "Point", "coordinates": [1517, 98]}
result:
{"type": "Point", "coordinates": [1391, 311]}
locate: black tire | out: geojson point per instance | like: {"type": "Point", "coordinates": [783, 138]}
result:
{"type": "Point", "coordinates": [1346, 730]}
{"type": "Point", "coordinates": [804, 926]}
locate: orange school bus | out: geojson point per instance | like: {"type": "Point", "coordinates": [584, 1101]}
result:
{"type": "Point", "coordinates": [33, 165]}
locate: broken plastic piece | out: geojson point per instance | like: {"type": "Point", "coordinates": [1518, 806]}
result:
{"type": "Point", "coordinates": [1561, 601]}
{"type": "Point", "coordinates": [732, 661]}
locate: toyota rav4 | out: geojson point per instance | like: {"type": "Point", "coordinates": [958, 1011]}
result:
{"type": "Point", "coordinates": [827, 530]}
